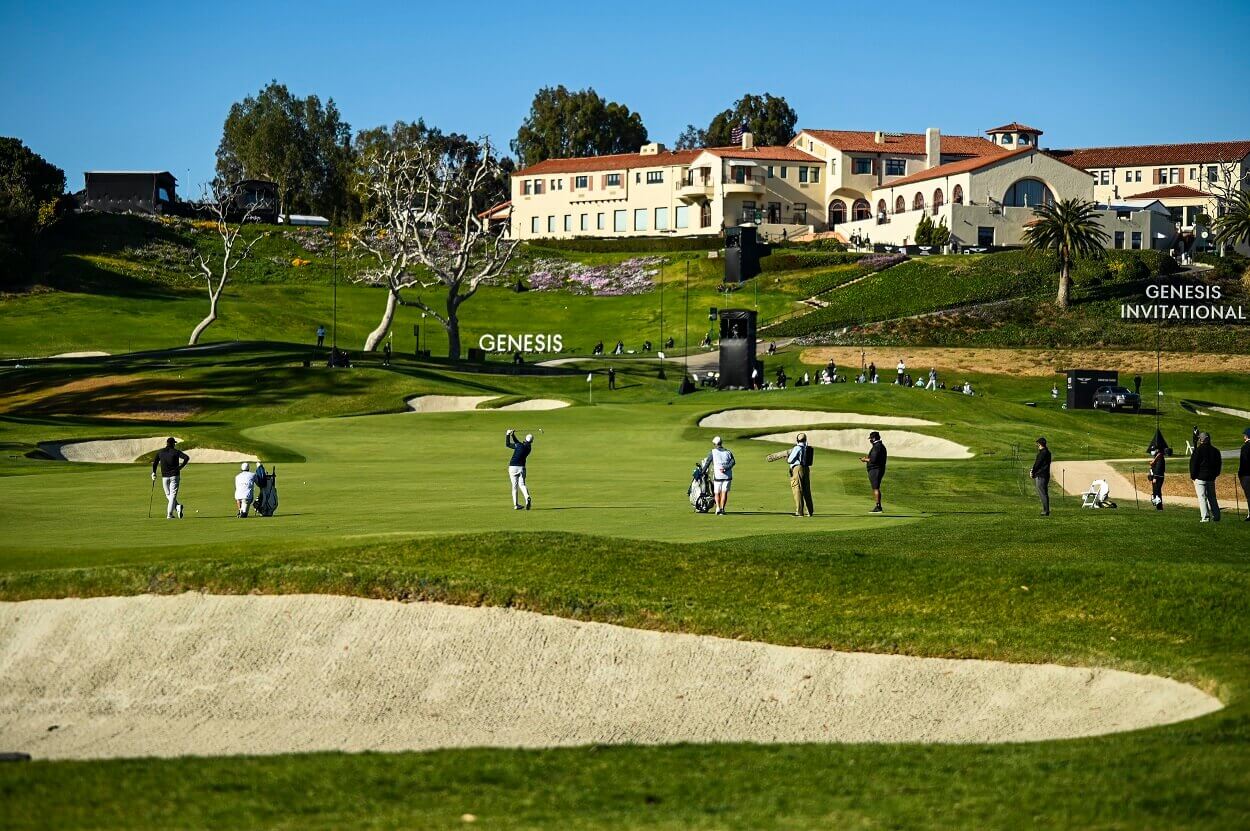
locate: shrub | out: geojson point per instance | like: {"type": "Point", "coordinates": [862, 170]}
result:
{"type": "Point", "coordinates": [790, 260]}
{"type": "Point", "coordinates": [822, 244]}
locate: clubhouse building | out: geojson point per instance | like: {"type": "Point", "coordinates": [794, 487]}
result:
{"type": "Point", "coordinates": [876, 186]}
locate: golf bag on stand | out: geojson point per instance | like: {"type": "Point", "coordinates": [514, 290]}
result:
{"type": "Point", "coordinates": [267, 494]}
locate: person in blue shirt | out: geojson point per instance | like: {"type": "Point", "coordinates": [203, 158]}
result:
{"type": "Point", "coordinates": [800, 462]}
{"type": "Point", "coordinates": [516, 467]}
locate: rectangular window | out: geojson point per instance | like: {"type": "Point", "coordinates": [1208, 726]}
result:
{"type": "Point", "coordinates": [640, 219]}
{"type": "Point", "coordinates": [637, 178]}
{"type": "Point", "coordinates": [1119, 239]}
{"type": "Point", "coordinates": [581, 182]}
{"type": "Point", "coordinates": [661, 219]}
{"type": "Point", "coordinates": [985, 236]}
{"type": "Point", "coordinates": [895, 167]}
{"type": "Point", "coordinates": [551, 224]}
{"type": "Point", "coordinates": [655, 177]}
{"type": "Point", "coordinates": [681, 218]}
{"type": "Point", "coordinates": [861, 167]}
{"type": "Point", "coordinates": [1104, 177]}
{"type": "Point", "coordinates": [803, 175]}
{"type": "Point", "coordinates": [770, 171]}
{"type": "Point", "coordinates": [1193, 173]}
{"type": "Point", "coordinates": [1137, 240]}
{"type": "Point", "coordinates": [527, 187]}
{"type": "Point", "coordinates": [557, 184]}
{"type": "Point", "coordinates": [783, 171]}
{"type": "Point", "coordinates": [599, 222]}
{"type": "Point", "coordinates": [614, 180]}
{"type": "Point", "coordinates": [1213, 173]}
{"type": "Point", "coordinates": [585, 222]}
{"type": "Point", "coordinates": [618, 222]}
{"type": "Point", "coordinates": [539, 186]}
{"type": "Point", "coordinates": [533, 225]}
{"type": "Point", "coordinates": [800, 213]}
{"type": "Point", "coordinates": [815, 175]}
{"type": "Point", "coordinates": [568, 223]}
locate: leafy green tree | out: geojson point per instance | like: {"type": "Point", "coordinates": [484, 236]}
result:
{"type": "Point", "coordinates": [1071, 229]}
{"type": "Point", "coordinates": [940, 235]}
{"type": "Point", "coordinates": [1233, 227]}
{"type": "Point", "coordinates": [691, 138]}
{"type": "Point", "coordinates": [770, 119]}
{"type": "Point", "coordinates": [31, 198]}
{"type": "Point", "coordinates": [581, 123]}
{"type": "Point", "coordinates": [298, 143]}
{"type": "Point", "coordinates": [924, 231]}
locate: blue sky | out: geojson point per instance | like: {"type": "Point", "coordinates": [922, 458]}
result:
{"type": "Point", "coordinates": [147, 85]}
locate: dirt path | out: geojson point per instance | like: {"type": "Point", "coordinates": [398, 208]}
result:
{"type": "Point", "coordinates": [1029, 362]}
{"type": "Point", "coordinates": [220, 675]}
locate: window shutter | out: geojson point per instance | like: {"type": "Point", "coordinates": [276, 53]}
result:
{"type": "Point", "coordinates": [1156, 176]}
{"type": "Point", "coordinates": [590, 183]}
{"type": "Point", "coordinates": [1182, 174]}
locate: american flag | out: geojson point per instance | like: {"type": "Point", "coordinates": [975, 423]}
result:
{"type": "Point", "coordinates": [735, 135]}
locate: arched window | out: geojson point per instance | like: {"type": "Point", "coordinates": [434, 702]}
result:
{"type": "Point", "coordinates": [837, 212]}
{"type": "Point", "coordinates": [880, 207]}
{"type": "Point", "coordinates": [958, 195]}
{"type": "Point", "coordinates": [938, 199]}
{"type": "Point", "coordinates": [900, 205]}
{"type": "Point", "coordinates": [917, 204]}
{"type": "Point", "coordinates": [1006, 138]}
{"type": "Point", "coordinates": [1024, 139]}
{"type": "Point", "coordinates": [861, 210]}
{"type": "Point", "coordinates": [1027, 193]}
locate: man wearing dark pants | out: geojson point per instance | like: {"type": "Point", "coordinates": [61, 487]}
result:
{"type": "Point", "coordinates": [875, 461]}
{"type": "Point", "coordinates": [1204, 469]}
{"type": "Point", "coordinates": [1158, 469]}
{"type": "Point", "coordinates": [800, 461]}
{"type": "Point", "coordinates": [1243, 470]}
{"type": "Point", "coordinates": [171, 461]}
{"type": "Point", "coordinates": [1041, 475]}
{"type": "Point", "coordinates": [611, 377]}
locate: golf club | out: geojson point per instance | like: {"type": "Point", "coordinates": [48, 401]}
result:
{"type": "Point", "coordinates": [151, 495]}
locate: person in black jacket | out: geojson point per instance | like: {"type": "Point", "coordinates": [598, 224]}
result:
{"type": "Point", "coordinates": [1204, 468]}
{"type": "Point", "coordinates": [875, 461]}
{"type": "Point", "coordinates": [517, 466]}
{"type": "Point", "coordinates": [1243, 470]}
{"type": "Point", "coordinates": [1158, 469]}
{"type": "Point", "coordinates": [171, 461]}
{"type": "Point", "coordinates": [1040, 475]}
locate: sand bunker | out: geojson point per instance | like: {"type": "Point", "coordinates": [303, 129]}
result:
{"type": "Point", "coordinates": [470, 403]}
{"type": "Point", "coordinates": [532, 404]}
{"type": "Point", "coordinates": [447, 403]}
{"type": "Point", "coordinates": [899, 443]}
{"type": "Point", "coordinates": [217, 675]}
{"type": "Point", "coordinates": [1232, 411]}
{"type": "Point", "coordinates": [748, 419]}
{"type": "Point", "coordinates": [125, 451]}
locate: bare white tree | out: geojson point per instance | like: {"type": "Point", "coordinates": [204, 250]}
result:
{"type": "Point", "coordinates": [422, 231]}
{"type": "Point", "coordinates": [1227, 183]}
{"type": "Point", "coordinates": [221, 201]}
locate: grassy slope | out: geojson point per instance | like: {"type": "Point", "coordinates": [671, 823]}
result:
{"type": "Point", "coordinates": [1137, 590]}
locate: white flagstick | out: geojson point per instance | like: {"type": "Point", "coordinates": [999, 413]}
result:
{"type": "Point", "coordinates": [590, 386]}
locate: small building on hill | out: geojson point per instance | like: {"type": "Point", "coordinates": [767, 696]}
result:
{"type": "Point", "coordinates": [137, 191]}
{"type": "Point", "coordinates": [259, 196]}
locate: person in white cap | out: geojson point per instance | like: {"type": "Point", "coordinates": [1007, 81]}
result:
{"type": "Point", "coordinates": [800, 461]}
{"type": "Point", "coordinates": [243, 490]}
{"type": "Point", "coordinates": [516, 466]}
{"type": "Point", "coordinates": [721, 463]}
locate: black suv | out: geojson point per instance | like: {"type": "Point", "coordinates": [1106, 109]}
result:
{"type": "Point", "coordinates": [1116, 398]}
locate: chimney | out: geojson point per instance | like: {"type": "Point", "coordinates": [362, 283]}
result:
{"type": "Point", "coordinates": [878, 137]}
{"type": "Point", "coordinates": [652, 149]}
{"type": "Point", "coordinates": [932, 148]}
{"type": "Point", "coordinates": [748, 140]}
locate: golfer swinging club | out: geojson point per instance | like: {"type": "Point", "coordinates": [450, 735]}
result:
{"type": "Point", "coordinates": [721, 462]}
{"type": "Point", "coordinates": [172, 461]}
{"type": "Point", "coordinates": [516, 467]}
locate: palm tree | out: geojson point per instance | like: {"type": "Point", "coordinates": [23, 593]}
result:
{"type": "Point", "coordinates": [1233, 226]}
{"type": "Point", "coordinates": [1071, 229]}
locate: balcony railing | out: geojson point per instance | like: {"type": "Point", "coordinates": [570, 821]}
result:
{"type": "Point", "coordinates": [742, 176]}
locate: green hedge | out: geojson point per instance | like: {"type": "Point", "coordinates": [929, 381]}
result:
{"type": "Point", "coordinates": [823, 244]}
{"type": "Point", "coordinates": [1119, 267]}
{"type": "Point", "coordinates": [632, 245]}
{"type": "Point", "coordinates": [790, 260]}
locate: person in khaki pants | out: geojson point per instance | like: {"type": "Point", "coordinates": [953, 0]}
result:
{"type": "Point", "coordinates": [800, 461]}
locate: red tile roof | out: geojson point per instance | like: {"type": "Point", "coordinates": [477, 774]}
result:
{"type": "Point", "coordinates": [1171, 192]}
{"type": "Point", "coordinates": [964, 166]}
{"type": "Point", "coordinates": [908, 144]}
{"type": "Point", "coordinates": [498, 209]}
{"type": "Point", "coordinates": [771, 153]}
{"type": "Point", "coordinates": [1014, 127]}
{"type": "Point", "coordinates": [616, 161]}
{"type": "Point", "coordinates": [1143, 155]}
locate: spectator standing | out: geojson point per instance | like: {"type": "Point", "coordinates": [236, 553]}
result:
{"type": "Point", "coordinates": [902, 367]}
{"type": "Point", "coordinates": [1040, 474]}
{"type": "Point", "coordinates": [1137, 384]}
{"type": "Point", "coordinates": [932, 385]}
{"type": "Point", "coordinates": [875, 465]}
{"type": "Point", "coordinates": [611, 377]}
{"type": "Point", "coordinates": [872, 373]}
{"type": "Point", "coordinates": [1204, 469]}
{"type": "Point", "coordinates": [800, 461]}
{"type": "Point", "coordinates": [321, 334]}
{"type": "Point", "coordinates": [386, 353]}
{"type": "Point", "coordinates": [1243, 470]}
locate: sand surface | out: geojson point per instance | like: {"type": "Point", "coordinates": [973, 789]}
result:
{"type": "Point", "coordinates": [1233, 411]}
{"type": "Point", "coordinates": [532, 404]}
{"type": "Point", "coordinates": [898, 443]}
{"type": "Point", "coordinates": [1074, 477]}
{"type": "Point", "coordinates": [218, 675]}
{"type": "Point", "coordinates": [446, 403]}
{"type": "Point", "coordinates": [1042, 363]}
{"type": "Point", "coordinates": [748, 419]}
{"type": "Point", "coordinates": [125, 451]}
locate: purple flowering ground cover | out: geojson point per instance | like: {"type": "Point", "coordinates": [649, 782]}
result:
{"type": "Point", "coordinates": [632, 276]}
